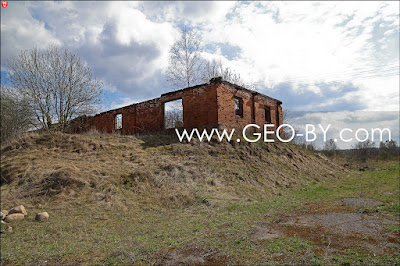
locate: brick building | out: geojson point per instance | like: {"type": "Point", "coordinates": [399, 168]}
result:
{"type": "Point", "coordinates": [217, 104]}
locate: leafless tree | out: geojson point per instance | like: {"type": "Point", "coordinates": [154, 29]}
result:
{"type": "Point", "coordinates": [388, 149]}
{"type": "Point", "coordinates": [185, 61]}
{"type": "Point", "coordinates": [173, 118]}
{"type": "Point", "coordinates": [56, 83]}
{"type": "Point", "coordinates": [214, 68]}
{"type": "Point", "coordinates": [330, 147]}
{"type": "Point", "coordinates": [362, 150]}
{"type": "Point", "coordinates": [16, 115]}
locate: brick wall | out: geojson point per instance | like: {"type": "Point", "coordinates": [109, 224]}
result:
{"type": "Point", "coordinates": [149, 116]}
{"type": "Point", "coordinates": [204, 106]}
{"type": "Point", "coordinates": [253, 108]}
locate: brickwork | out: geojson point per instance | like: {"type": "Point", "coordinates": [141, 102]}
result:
{"type": "Point", "coordinates": [253, 108]}
{"type": "Point", "coordinates": [204, 106]}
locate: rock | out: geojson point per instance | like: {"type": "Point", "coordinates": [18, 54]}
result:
{"type": "Point", "coordinates": [18, 209]}
{"type": "Point", "coordinates": [42, 216]}
{"type": "Point", "coordinates": [3, 214]}
{"type": "Point", "coordinates": [14, 217]}
{"type": "Point", "coordinates": [7, 230]}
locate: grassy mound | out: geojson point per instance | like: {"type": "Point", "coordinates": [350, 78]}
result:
{"type": "Point", "coordinates": [154, 170]}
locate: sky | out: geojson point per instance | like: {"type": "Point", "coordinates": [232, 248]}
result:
{"type": "Point", "coordinates": [313, 56]}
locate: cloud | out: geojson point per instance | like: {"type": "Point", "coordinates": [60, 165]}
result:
{"type": "Point", "coordinates": [335, 122]}
{"type": "Point", "coordinates": [325, 97]}
{"type": "Point", "coordinates": [21, 31]}
{"type": "Point", "coordinates": [123, 102]}
{"type": "Point", "coordinates": [310, 55]}
{"type": "Point", "coordinates": [309, 43]}
{"type": "Point", "coordinates": [124, 48]}
{"type": "Point", "coordinates": [195, 13]}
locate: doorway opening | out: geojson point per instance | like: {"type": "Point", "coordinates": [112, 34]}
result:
{"type": "Point", "coordinates": [173, 114]}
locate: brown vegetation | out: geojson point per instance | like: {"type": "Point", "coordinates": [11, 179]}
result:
{"type": "Point", "coordinates": [154, 170]}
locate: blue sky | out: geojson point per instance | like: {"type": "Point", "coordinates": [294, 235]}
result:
{"type": "Point", "coordinates": [313, 56]}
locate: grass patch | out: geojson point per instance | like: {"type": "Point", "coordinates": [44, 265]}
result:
{"type": "Point", "coordinates": [148, 202]}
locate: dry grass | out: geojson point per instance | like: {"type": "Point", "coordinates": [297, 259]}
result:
{"type": "Point", "coordinates": [125, 200]}
{"type": "Point", "coordinates": [152, 171]}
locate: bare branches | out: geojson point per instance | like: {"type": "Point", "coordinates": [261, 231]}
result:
{"type": "Point", "coordinates": [184, 60]}
{"type": "Point", "coordinates": [58, 85]}
{"type": "Point", "coordinates": [330, 148]}
{"type": "Point", "coordinates": [362, 150]}
{"type": "Point", "coordinates": [173, 119]}
{"type": "Point", "coordinates": [214, 68]}
{"type": "Point", "coordinates": [16, 114]}
{"type": "Point", "coordinates": [186, 66]}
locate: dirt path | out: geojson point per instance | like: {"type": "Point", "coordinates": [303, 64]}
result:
{"type": "Point", "coordinates": [349, 223]}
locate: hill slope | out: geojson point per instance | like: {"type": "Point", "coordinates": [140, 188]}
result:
{"type": "Point", "coordinates": [117, 170]}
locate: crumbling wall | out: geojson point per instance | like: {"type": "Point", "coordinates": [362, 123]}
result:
{"type": "Point", "coordinates": [253, 108]}
{"type": "Point", "coordinates": [204, 106]}
{"type": "Point", "coordinates": [260, 102]}
{"type": "Point", "coordinates": [200, 108]}
{"type": "Point", "coordinates": [149, 116]}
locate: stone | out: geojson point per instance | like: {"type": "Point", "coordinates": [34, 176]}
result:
{"type": "Point", "coordinates": [42, 216]}
{"type": "Point", "coordinates": [18, 209]}
{"type": "Point", "coordinates": [14, 217]}
{"type": "Point", "coordinates": [3, 214]}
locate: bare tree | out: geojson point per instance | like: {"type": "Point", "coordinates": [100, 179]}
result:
{"type": "Point", "coordinates": [185, 61]}
{"type": "Point", "coordinates": [362, 150]}
{"type": "Point", "coordinates": [16, 114]}
{"type": "Point", "coordinates": [57, 84]}
{"type": "Point", "coordinates": [330, 147]}
{"type": "Point", "coordinates": [214, 68]}
{"type": "Point", "coordinates": [388, 149]}
{"type": "Point", "coordinates": [173, 119]}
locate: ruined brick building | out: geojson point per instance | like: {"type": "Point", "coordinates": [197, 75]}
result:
{"type": "Point", "coordinates": [217, 104]}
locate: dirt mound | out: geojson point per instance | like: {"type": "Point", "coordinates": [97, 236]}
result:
{"type": "Point", "coordinates": [154, 169]}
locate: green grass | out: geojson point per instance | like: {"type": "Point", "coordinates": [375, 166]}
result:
{"type": "Point", "coordinates": [88, 234]}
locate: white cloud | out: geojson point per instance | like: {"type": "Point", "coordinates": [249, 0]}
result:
{"type": "Point", "coordinates": [304, 44]}
{"type": "Point", "coordinates": [20, 31]}
{"type": "Point", "coordinates": [125, 101]}
{"type": "Point", "coordinates": [123, 47]}
{"type": "Point", "coordinates": [354, 121]}
{"type": "Point", "coordinates": [191, 12]}
{"type": "Point", "coordinates": [310, 43]}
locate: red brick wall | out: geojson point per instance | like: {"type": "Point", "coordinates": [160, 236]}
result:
{"type": "Point", "coordinates": [200, 107]}
{"type": "Point", "coordinates": [260, 103]}
{"type": "Point", "coordinates": [226, 108]}
{"type": "Point", "coordinates": [149, 116]}
{"type": "Point", "coordinates": [128, 119]}
{"type": "Point", "coordinates": [104, 122]}
{"type": "Point", "coordinates": [204, 106]}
